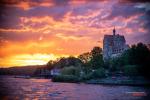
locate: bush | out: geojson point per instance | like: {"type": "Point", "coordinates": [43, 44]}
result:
{"type": "Point", "coordinates": [115, 64]}
{"type": "Point", "coordinates": [99, 73]}
{"type": "Point", "coordinates": [70, 71]}
{"type": "Point", "coordinates": [87, 76]}
{"type": "Point", "coordinates": [65, 78]}
{"type": "Point", "coordinates": [131, 70]}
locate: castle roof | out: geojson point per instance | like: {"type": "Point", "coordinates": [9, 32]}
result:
{"type": "Point", "coordinates": [111, 37]}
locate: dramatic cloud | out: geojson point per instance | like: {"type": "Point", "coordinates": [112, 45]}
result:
{"type": "Point", "coordinates": [35, 31]}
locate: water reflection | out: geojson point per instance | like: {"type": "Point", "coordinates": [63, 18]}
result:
{"type": "Point", "coordinates": [44, 89]}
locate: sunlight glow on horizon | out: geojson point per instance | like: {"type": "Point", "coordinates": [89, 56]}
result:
{"type": "Point", "coordinates": [32, 33]}
{"type": "Point", "coordinates": [26, 59]}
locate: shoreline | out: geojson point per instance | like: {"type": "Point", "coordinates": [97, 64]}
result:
{"type": "Point", "coordinates": [141, 83]}
{"type": "Point", "coordinates": [110, 84]}
{"type": "Point", "coordinates": [120, 84]}
{"type": "Point", "coordinates": [119, 81]}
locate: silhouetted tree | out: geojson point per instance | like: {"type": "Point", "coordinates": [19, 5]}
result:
{"type": "Point", "coordinates": [66, 62]}
{"type": "Point", "coordinates": [138, 55]}
{"type": "Point", "coordinates": [50, 64]}
{"type": "Point", "coordinates": [85, 57]}
{"type": "Point", "coordinates": [96, 51]}
{"type": "Point", "coordinates": [97, 58]}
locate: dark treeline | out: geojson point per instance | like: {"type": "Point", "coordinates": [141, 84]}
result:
{"type": "Point", "coordinates": [133, 62]}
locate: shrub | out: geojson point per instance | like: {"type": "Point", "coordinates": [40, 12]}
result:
{"type": "Point", "coordinates": [87, 76]}
{"type": "Point", "coordinates": [99, 73]}
{"type": "Point", "coordinates": [131, 70]}
{"type": "Point", "coordinates": [65, 78]}
{"type": "Point", "coordinates": [70, 71]}
{"type": "Point", "coordinates": [115, 64]}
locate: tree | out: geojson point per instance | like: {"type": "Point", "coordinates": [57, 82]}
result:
{"type": "Point", "coordinates": [50, 64]}
{"type": "Point", "coordinates": [70, 71]}
{"type": "Point", "coordinates": [99, 73]}
{"type": "Point", "coordinates": [85, 57]}
{"type": "Point", "coordinates": [131, 70]}
{"type": "Point", "coordinates": [73, 61]}
{"type": "Point", "coordinates": [138, 55]}
{"type": "Point", "coordinates": [97, 58]}
{"type": "Point", "coordinates": [66, 62]}
{"type": "Point", "coordinates": [142, 58]}
{"type": "Point", "coordinates": [96, 51]}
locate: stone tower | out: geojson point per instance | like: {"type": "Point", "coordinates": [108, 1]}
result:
{"type": "Point", "coordinates": [114, 32]}
{"type": "Point", "coordinates": [113, 45]}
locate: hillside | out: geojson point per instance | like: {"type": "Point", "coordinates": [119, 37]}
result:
{"type": "Point", "coordinates": [20, 70]}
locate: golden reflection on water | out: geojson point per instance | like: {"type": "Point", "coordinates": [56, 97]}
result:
{"type": "Point", "coordinates": [40, 80]}
{"type": "Point", "coordinates": [44, 89]}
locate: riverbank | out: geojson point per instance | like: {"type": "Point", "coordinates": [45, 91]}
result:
{"type": "Point", "coordinates": [122, 81]}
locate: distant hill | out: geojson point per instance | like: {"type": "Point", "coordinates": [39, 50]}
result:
{"type": "Point", "coordinates": [20, 70]}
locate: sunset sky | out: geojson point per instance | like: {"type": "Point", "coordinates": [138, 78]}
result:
{"type": "Point", "coordinates": [34, 31]}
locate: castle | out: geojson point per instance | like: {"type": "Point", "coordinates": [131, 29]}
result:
{"type": "Point", "coordinates": [113, 45]}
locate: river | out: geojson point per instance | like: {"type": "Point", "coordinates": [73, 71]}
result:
{"type": "Point", "coordinates": [44, 89]}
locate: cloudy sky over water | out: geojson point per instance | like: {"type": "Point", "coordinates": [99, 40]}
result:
{"type": "Point", "coordinates": [35, 31]}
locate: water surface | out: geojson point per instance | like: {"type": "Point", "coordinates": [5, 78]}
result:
{"type": "Point", "coordinates": [44, 89]}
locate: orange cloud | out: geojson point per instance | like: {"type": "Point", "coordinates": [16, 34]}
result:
{"type": "Point", "coordinates": [81, 2]}
{"type": "Point", "coordinates": [40, 38]}
{"type": "Point", "coordinates": [27, 4]}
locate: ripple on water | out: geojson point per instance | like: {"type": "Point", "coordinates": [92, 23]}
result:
{"type": "Point", "coordinates": [29, 89]}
